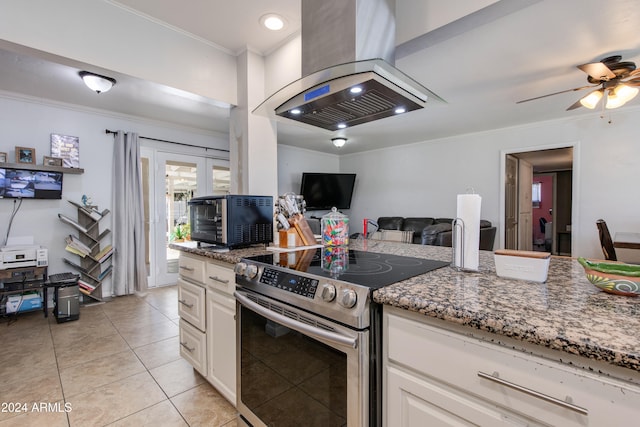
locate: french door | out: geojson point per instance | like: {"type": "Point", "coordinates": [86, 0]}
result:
{"type": "Point", "coordinates": [171, 181]}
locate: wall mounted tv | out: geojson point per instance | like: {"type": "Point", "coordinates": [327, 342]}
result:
{"type": "Point", "coordinates": [322, 191]}
{"type": "Point", "coordinates": [30, 184]}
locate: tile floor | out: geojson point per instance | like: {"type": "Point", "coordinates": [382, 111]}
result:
{"type": "Point", "coordinates": [118, 365]}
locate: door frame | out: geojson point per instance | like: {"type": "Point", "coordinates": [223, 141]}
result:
{"type": "Point", "coordinates": [157, 153]}
{"type": "Point", "coordinates": [575, 186]}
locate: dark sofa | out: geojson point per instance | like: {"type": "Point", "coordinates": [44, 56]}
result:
{"type": "Point", "coordinates": [435, 231]}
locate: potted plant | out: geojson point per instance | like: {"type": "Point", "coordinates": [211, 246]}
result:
{"type": "Point", "coordinates": [180, 233]}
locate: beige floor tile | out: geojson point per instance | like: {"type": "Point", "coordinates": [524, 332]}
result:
{"type": "Point", "coordinates": [159, 353]}
{"type": "Point", "coordinates": [176, 377]}
{"type": "Point", "coordinates": [233, 423]}
{"type": "Point", "coordinates": [88, 349]}
{"type": "Point", "coordinates": [148, 317]}
{"type": "Point", "coordinates": [105, 370]}
{"type": "Point", "coordinates": [41, 388]}
{"type": "Point", "coordinates": [163, 414]}
{"type": "Point", "coordinates": [24, 321]}
{"type": "Point", "coordinates": [68, 333]}
{"type": "Point", "coordinates": [115, 401]}
{"type": "Point", "coordinates": [28, 365]}
{"type": "Point", "coordinates": [204, 406]}
{"type": "Point", "coordinates": [51, 415]}
{"type": "Point", "coordinates": [148, 334]}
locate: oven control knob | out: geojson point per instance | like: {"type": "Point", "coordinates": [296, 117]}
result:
{"type": "Point", "coordinates": [348, 299]}
{"type": "Point", "coordinates": [251, 271]}
{"type": "Point", "coordinates": [240, 268]}
{"type": "Point", "coordinates": [328, 292]}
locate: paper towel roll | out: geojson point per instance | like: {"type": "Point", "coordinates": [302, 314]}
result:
{"type": "Point", "coordinates": [466, 253]}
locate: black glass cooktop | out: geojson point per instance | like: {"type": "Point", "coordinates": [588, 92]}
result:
{"type": "Point", "coordinates": [370, 269]}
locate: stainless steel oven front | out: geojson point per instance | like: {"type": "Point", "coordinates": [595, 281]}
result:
{"type": "Point", "coordinates": [298, 369]}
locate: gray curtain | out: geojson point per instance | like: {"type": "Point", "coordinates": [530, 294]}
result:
{"type": "Point", "coordinates": [129, 274]}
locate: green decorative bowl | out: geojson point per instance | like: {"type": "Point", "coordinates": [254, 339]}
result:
{"type": "Point", "coordinates": [613, 277]}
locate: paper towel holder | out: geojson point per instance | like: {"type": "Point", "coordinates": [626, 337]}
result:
{"type": "Point", "coordinates": [457, 226]}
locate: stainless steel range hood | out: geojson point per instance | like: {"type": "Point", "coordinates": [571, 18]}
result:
{"type": "Point", "coordinates": [347, 64]}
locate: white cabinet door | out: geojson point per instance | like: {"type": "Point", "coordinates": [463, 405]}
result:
{"type": "Point", "coordinates": [413, 402]}
{"type": "Point", "coordinates": [191, 303]}
{"type": "Point", "coordinates": [221, 342]}
{"type": "Point", "coordinates": [193, 347]}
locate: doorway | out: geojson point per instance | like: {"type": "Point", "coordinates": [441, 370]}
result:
{"type": "Point", "coordinates": [538, 199]}
{"type": "Point", "coordinates": [170, 180]}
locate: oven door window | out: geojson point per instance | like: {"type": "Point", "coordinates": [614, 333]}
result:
{"type": "Point", "coordinates": [290, 379]}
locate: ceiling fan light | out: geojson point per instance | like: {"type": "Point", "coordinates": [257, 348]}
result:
{"type": "Point", "coordinates": [614, 101]}
{"type": "Point", "coordinates": [590, 101]}
{"type": "Point", "coordinates": [627, 93]}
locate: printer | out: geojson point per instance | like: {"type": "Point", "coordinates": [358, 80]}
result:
{"type": "Point", "coordinates": [16, 256]}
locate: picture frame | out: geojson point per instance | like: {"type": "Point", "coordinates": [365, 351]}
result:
{"type": "Point", "coordinates": [26, 155]}
{"type": "Point", "coordinates": [67, 148]}
{"type": "Point", "coordinates": [52, 161]}
{"type": "Point", "coordinates": [4, 158]}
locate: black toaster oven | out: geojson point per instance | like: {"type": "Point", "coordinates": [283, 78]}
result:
{"type": "Point", "coordinates": [232, 220]}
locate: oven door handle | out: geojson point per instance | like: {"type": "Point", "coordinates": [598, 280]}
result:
{"type": "Point", "coordinates": [309, 330]}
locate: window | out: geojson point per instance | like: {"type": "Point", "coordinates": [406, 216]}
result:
{"type": "Point", "coordinates": [536, 194]}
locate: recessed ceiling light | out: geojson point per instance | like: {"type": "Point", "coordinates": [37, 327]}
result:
{"type": "Point", "coordinates": [355, 89]}
{"type": "Point", "coordinates": [296, 111]}
{"type": "Point", "coordinates": [400, 110]}
{"type": "Point", "coordinates": [342, 125]}
{"type": "Point", "coordinates": [272, 21]}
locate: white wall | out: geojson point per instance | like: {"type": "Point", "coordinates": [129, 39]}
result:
{"type": "Point", "coordinates": [107, 35]}
{"type": "Point", "coordinates": [29, 122]}
{"type": "Point", "coordinates": [423, 179]}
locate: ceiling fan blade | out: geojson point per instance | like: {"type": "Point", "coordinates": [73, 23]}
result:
{"type": "Point", "coordinates": [575, 105]}
{"type": "Point", "coordinates": [597, 71]}
{"type": "Point", "coordinates": [633, 82]}
{"type": "Point", "coordinates": [557, 93]}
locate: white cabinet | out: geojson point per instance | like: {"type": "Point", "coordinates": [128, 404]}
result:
{"type": "Point", "coordinates": [207, 311]}
{"type": "Point", "coordinates": [435, 376]}
{"type": "Point", "coordinates": [221, 342]}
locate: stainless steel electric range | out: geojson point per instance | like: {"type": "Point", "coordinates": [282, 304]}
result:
{"type": "Point", "coordinates": [309, 335]}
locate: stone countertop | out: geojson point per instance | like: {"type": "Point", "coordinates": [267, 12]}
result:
{"type": "Point", "coordinates": [566, 313]}
{"type": "Point", "coordinates": [232, 256]}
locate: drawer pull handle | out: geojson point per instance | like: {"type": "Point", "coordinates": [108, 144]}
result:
{"type": "Point", "coordinates": [533, 393]}
{"type": "Point", "coordinates": [183, 302]}
{"type": "Point", "coordinates": [184, 344]}
{"type": "Point", "coordinates": [183, 267]}
{"type": "Point", "coordinates": [217, 279]}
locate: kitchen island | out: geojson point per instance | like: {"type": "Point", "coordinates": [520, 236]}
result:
{"type": "Point", "coordinates": [567, 313]}
{"type": "Point", "coordinates": [450, 337]}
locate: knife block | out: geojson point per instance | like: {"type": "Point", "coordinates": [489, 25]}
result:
{"type": "Point", "coordinates": [302, 226]}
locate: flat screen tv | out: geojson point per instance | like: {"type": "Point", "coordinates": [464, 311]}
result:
{"type": "Point", "coordinates": [30, 184]}
{"type": "Point", "coordinates": [322, 191]}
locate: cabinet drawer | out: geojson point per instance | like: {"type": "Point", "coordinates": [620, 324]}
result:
{"type": "Point", "coordinates": [220, 277]}
{"type": "Point", "coordinates": [191, 303]}
{"type": "Point", "coordinates": [537, 388]}
{"type": "Point", "coordinates": [193, 346]}
{"type": "Point", "coordinates": [191, 267]}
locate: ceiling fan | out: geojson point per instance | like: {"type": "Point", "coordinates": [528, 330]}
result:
{"type": "Point", "coordinates": [612, 77]}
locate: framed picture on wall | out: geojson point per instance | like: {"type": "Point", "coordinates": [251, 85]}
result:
{"type": "Point", "coordinates": [67, 148]}
{"type": "Point", "coordinates": [4, 158]}
{"type": "Point", "coordinates": [25, 155]}
{"type": "Point", "coordinates": [52, 161]}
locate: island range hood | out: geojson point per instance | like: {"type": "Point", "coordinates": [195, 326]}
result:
{"type": "Point", "coordinates": [348, 69]}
